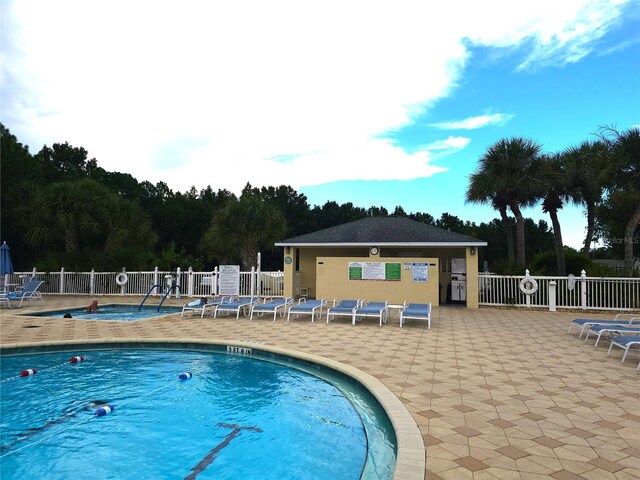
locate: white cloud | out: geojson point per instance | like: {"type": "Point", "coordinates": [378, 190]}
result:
{"type": "Point", "coordinates": [228, 89]}
{"type": "Point", "coordinates": [473, 123]}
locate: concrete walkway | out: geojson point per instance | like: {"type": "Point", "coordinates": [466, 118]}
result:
{"type": "Point", "coordinates": [496, 394]}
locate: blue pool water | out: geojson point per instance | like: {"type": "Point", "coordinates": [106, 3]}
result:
{"type": "Point", "coordinates": [238, 417]}
{"type": "Point", "coordinates": [112, 312]}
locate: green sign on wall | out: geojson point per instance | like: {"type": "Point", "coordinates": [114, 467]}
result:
{"type": "Point", "coordinates": [374, 271]}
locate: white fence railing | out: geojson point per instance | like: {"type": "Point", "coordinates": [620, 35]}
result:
{"type": "Point", "coordinates": [187, 283]}
{"type": "Point", "coordinates": [587, 293]}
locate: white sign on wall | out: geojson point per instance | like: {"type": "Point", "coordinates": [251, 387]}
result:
{"type": "Point", "coordinates": [229, 280]}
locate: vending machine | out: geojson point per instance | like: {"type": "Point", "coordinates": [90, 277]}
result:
{"type": "Point", "coordinates": [458, 280]}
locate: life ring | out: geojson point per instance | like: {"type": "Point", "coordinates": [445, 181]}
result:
{"type": "Point", "coordinates": [528, 285]}
{"type": "Point", "coordinates": [122, 278]}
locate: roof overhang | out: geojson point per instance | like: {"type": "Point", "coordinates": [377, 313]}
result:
{"type": "Point", "coordinates": [384, 244]}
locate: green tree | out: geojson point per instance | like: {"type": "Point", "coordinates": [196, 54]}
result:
{"type": "Point", "coordinates": [622, 179]}
{"type": "Point", "coordinates": [506, 177]}
{"type": "Point", "coordinates": [553, 191]}
{"type": "Point", "coordinates": [242, 228]}
{"type": "Point", "coordinates": [583, 165]}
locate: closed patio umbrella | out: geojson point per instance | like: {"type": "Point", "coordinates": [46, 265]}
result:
{"type": "Point", "coordinates": [6, 267]}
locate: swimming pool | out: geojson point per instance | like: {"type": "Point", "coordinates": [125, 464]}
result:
{"type": "Point", "coordinates": [112, 312]}
{"type": "Point", "coordinates": [238, 417]}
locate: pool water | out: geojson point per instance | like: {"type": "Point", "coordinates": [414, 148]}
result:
{"type": "Point", "coordinates": [237, 417]}
{"type": "Point", "coordinates": [112, 312]}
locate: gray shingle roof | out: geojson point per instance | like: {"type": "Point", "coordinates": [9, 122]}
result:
{"type": "Point", "coordinates": [382, 231]}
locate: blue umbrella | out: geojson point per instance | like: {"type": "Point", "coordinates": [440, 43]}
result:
{"type": "Point", "coordinates": [5, 260]}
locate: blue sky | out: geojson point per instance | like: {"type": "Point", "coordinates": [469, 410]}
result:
{"type": "Point", "coordinates": [374, 103]}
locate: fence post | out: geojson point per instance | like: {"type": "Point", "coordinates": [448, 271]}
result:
{"type": "Point", "coordinates": [528, 297]}
{"type": "Point", "coordinates": [124, 270]}
{"type": "Point", "coordinates": [552, 296]}
{"type": "Point", "coordinates": [214, 281]}
{"type": "Point", "coordinates": [156, 281]}
{"type": "Point", "coordinates": [177, 290]}
{"type": "Point", "coordinates": [92, 282]}
{"type": "Point", "coordinates": [190, 282]}
{"type": "Point", "coordinates": [583, 277]}
{"type": "Point", "coordinates": [62, 280]}
{"type": "Point", "coordinates": [253, 281]}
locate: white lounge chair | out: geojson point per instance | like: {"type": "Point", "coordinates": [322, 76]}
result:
{"type": "Point", "coordinates": [242, 305]}
{"type": "Point", "coordinates": [344, 308]}
{"type": "Point", "coordinates": [621, 319]}
{"type": "Point", "coordinates": [29, 292]}
{"type": "Point", "coordinates": [307, 307]}
{"type": "Point", "coordinates": [198, 306]}
{"type": "Point", "coordinates": [600, 330]}
{"type": "Point", "coordinates": [625, 342]}
{"type": "Point", "coordinates": [275, 305]}
{"type": "Point", "coordinates": [215, 301]}
{"type": "Point", "coordinates": [416, 311]}
{"type": "Point", "coordinates": [372, 309]}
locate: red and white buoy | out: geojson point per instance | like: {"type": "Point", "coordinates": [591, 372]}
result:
{"type": "Point", "coordinates": [28, 371]}
{"type": "Point", "coordinates": [77, 359]}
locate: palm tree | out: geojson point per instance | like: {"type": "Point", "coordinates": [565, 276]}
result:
{"type": "Point", "coordinates": [583, 165]}
{"type": "Point", "coordinates": [241, 228]}
{"type": "Point", "coordinates": [509, 166]}
{"type": "Point", "coordinates": [554, 193]}
{"type": "Point", "coordinates": [622, 177]}
{"type": "Point", "coordinates": [482, 190]}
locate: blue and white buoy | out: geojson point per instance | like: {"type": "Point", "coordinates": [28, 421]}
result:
{"type": "Point", "coordinates": [104, 410]}
{"type": "Point", "coordinates": [185, 376]}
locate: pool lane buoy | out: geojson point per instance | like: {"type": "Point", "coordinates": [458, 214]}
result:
{"type": "Point", "coordinates": [28, 372]}
{"type": "Point", "coordinates": [77, 359]}
{"type": "Point", "coordinates": [122, 278]}
{"type": "Point", "coordinates": [185, 376]}
{"type": "Point", "coordinates": [104, 410]}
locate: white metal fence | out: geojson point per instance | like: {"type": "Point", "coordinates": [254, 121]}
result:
{"type": "Point", "coordinates": [185, 283]}
{"type": "Point", "coordinates": [587, 293]}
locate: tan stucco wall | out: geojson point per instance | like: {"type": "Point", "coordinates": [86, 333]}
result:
{"type": "Point", "coordinates": [332, 281]}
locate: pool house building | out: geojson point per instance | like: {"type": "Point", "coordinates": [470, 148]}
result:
{"type": "Point", "coordinates": [383, 258]}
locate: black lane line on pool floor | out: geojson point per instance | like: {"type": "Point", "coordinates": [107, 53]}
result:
{"type": "Point", "coordinates": [211, 456]}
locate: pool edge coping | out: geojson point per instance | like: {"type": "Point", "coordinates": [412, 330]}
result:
{"type": "Point", "coordinates": [411, 455]}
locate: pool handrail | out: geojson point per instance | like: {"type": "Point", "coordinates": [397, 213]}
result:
{"type": "Point", "coordinates": [172, 287]}
{"type": "Point", "coordinates": [149, 293]}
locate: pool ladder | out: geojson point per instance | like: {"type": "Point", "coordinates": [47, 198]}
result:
{"type": "Point", "coordinates": [159, 287]}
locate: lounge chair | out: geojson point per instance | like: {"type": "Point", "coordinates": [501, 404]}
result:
{"type": "Point", "coordinates": [621, 319]}
{"type": "Point", "coordinates": [29, 292]}
{"type": "Point", "coordinates": [307, 307]}
{"type": "Point", "coordinates": [198, 306]}
{"type": "Point", "coordinates": [599, 330]}
{"type": "Point", "coordinates": [416, 311]}
{"type": "Point", "coordinates": [343, 308]}
{"type": "Point", "coordinates": [372, 309]}
{"type": "Point", "coordinates": [242, 305]}
{"type": "Point", "coordinates": [275, 305]}
{"type": "Point", "coordinates": [215, 301]}
{"type": "Point", "coordinates": [625, 342]}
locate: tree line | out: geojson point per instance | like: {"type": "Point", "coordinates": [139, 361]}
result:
{"type": "Point", "coordinates": [602, 175]}
{"type": "Point", "coordinates": [61, 209]}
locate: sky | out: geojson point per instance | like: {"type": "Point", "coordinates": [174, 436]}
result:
{"type": "Point", "coordinates": [376, 103]}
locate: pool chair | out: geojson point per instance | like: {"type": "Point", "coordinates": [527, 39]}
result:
{"type": "Point", "coordinates": [416, 311]}
{"type": "Point", "coordinates": [29, 292]}
{"type": "Point", "coordinates": [625, 342]}
{"type": "Point", "coordinates": [372, 309]}
{"type": "Point", "coordinates": [343, 308]}
{"type": "Point", "coordinates": [307, 307]}
{"type": "Point", "coordinates": [242, 305]}
{"type": "Point", "coordinates": [274, 306]}
{"type": "Point", "coordinates": [600, 330]}
{"type": "Point", "coordinates": [621, 319]}
{"type": "Point", "coordinates": [212, 303]}
{"type": "Point", "coordinates": [198, 307]}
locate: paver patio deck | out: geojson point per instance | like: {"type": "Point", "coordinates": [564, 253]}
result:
{"type": "Point", "coordinates": [496, 394]}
